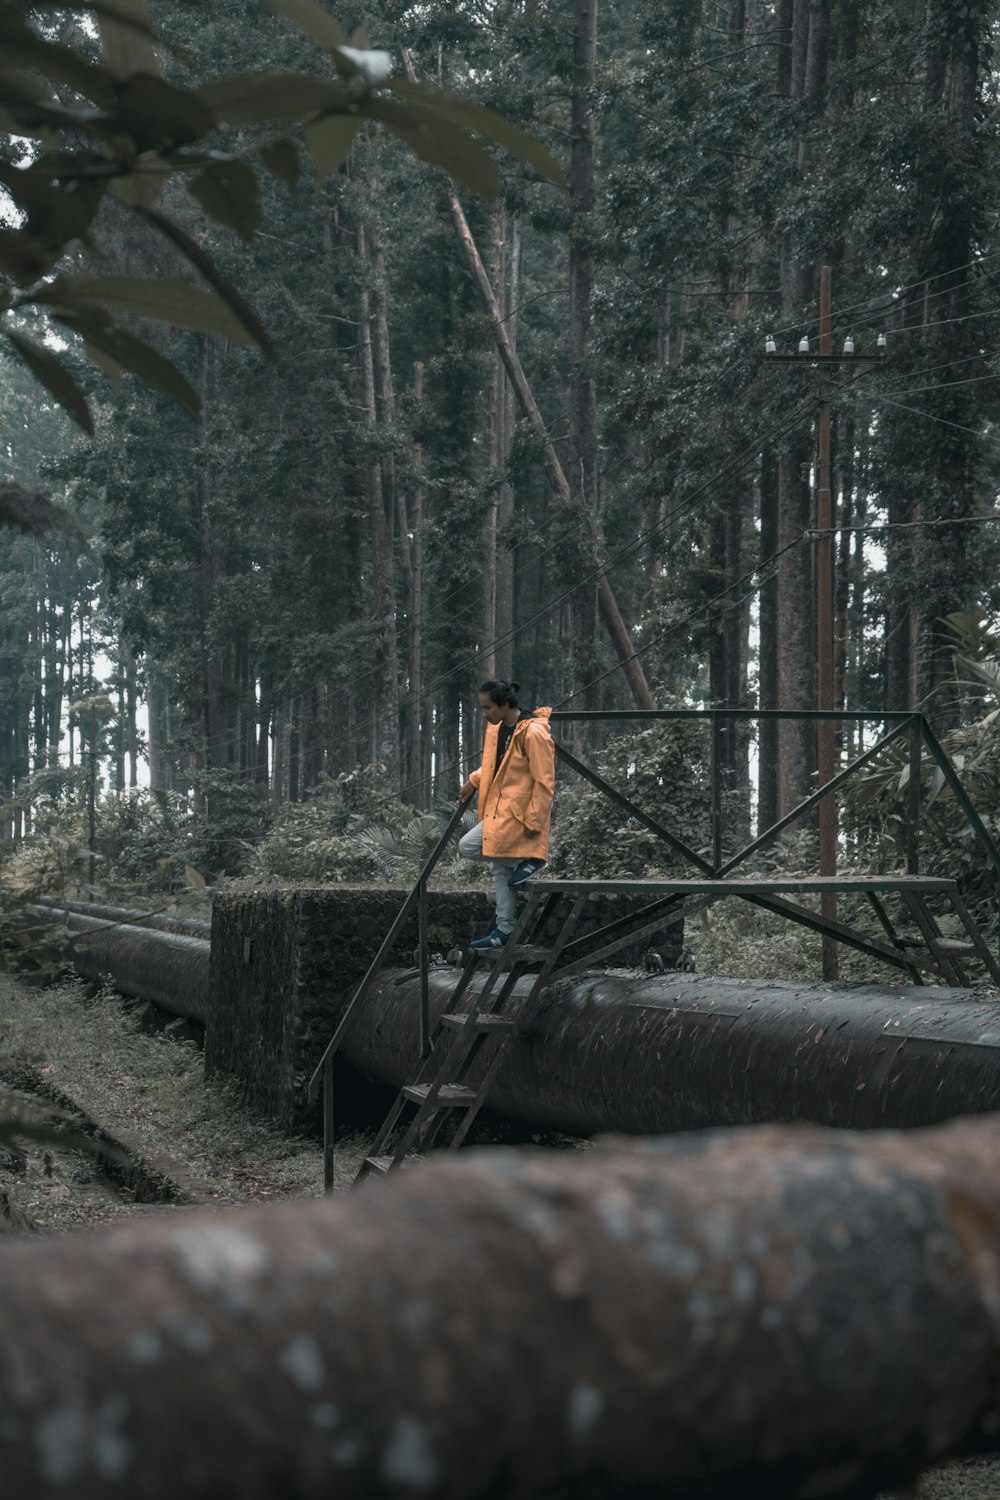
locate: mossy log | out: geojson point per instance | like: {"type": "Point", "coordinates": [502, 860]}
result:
{"type": "Point", "coordinates": [786, 1313]}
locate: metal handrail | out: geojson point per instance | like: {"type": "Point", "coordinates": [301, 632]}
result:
{"type": "Point", "coordinates": [416, 894]}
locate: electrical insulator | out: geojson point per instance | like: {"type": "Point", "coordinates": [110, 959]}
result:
{"type": "Point", "coordinates": [849, 344]}
{"type": "Point", "coordinates": [880, 343]}
{"type": "Point", "coordinates": [803, 345]}
{"type": "Point", "coordinates": [770, 347]}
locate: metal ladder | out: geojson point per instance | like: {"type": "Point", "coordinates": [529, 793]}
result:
{"type": "Point", "coordinates": [476, 1029]}
{"type": "Point", "coordinates": [948, 955]}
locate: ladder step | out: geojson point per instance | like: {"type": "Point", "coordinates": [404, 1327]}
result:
{"type": "Point", "coordinates": [521, 952]}
{"type": "Point", "coordinates": [482, 1022]}
{"type": "Point", "coordinates": [449, 1094]}
{"type": "Point", "coordinates": [383, 1164]}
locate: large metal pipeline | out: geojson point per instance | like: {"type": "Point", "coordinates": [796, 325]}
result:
{"type": "Point", "coordinates": [168, 968]}
{"type": "Point", "coordinates": [724, 1316]}
{"type": "Point", "coordinates": [664, 1052]}
{"type": "Point", "coordinates": [130, 916]}
{"type": "Point", "coordinates": [650, 1053]}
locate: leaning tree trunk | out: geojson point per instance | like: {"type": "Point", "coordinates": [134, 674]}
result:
{"type": "Point", "coordinates": [610, 612]}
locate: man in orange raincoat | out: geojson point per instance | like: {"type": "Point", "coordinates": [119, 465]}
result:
{"type": "Point", "coordinates": [515, 784]}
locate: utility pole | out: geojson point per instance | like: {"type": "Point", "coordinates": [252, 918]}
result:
{"type": "Point", "coordinates": [826, 743]}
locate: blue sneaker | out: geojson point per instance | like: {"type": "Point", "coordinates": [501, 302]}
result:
{"type": "Point", "coordinates": [494, 939]}
{"type": "Point", "coordinates": [525, 871]}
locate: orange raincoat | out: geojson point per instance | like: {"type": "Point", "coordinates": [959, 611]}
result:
{"type": "Point", "coordinates": [518, 796]}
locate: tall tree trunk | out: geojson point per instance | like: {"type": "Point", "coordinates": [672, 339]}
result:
{"type": "Point", "coordinates": [386, 665]}
{"type": "Point", "coordinates": [809, 56]}
{"type": "Point", "coordinates": [212, 568]}
{"type": "Point", "coordinates": [494, 422]}
{"type": "Point", "coordinates": [958, 43]}
{"type": "Point", "coordinates": [583, 400]}
{"type": "Point", "coordinates": [154, 732]}
{"type": "Point", "coordinates": [56, 678]}
{"type": "Point", "coordinates": [504, 563]}
{"type": "Point", "coordinates": [795, 616]}
{"type": "Point", "coordinates": [419, 732]}
{"type": "Point", "coordinates": [768, 802]}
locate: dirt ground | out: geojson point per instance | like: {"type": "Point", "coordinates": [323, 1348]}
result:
{"type": "Point", "coordinates": [149, 1088]}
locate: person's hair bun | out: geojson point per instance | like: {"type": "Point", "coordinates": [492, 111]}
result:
{"type": "Point", "coordinates": [515, 687]}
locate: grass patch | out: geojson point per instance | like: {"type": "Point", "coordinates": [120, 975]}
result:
{"type": "Point", "coordinates": [153, 1089]}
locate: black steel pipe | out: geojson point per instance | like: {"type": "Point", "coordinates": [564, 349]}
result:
{"type": "Point", "coordinates": [665, 1052]}
{"type": "Point", "coordinates": [650, 1053]}
{"type": "Point", "coordinates": [168, 968]}
{"type": "Point", "coordinates": [129, 916]}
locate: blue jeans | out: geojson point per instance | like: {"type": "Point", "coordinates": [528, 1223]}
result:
{"type": "Point", "coordinates": [470, 846]}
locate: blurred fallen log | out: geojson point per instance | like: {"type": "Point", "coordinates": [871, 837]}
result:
{"type": "Point", "coordinates": [769, 1312]}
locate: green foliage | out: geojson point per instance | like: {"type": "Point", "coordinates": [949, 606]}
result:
{"type": "Point", "coordinates": [665, 772]}
{"type": "Point", "coordinates": [111, 124]}
{"type": "Point", "coordinates": [350, 831]}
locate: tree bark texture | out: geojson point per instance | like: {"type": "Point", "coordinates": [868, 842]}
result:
{"type": "Point", "coordinates": [581, 554]}
{"type": "Point", "coordinates": [795, 613]}
{"type": "Point", "coordinates": [763, 1312]}
{"type": "Point", "coordinates": [767, 785]}
{"type": "Point", "coordinates": [385, 749]}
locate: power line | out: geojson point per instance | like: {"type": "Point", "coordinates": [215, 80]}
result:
{"type": "Point", "coordinates": [910, 525]}
{"type": "Point", "coordinates": [950, 364]}
{"type": "Point", "coordinates": [917, 412]}
{"type": "Point", "coordinates": [895, 294]}
{"type": "Point", "coordinates": [695, 613]}
{"type": "Point", "coordinates": [945, 385]}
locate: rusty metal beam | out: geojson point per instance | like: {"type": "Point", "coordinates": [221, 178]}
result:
{"type": "Point", "coordinates": [756, 1313]}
